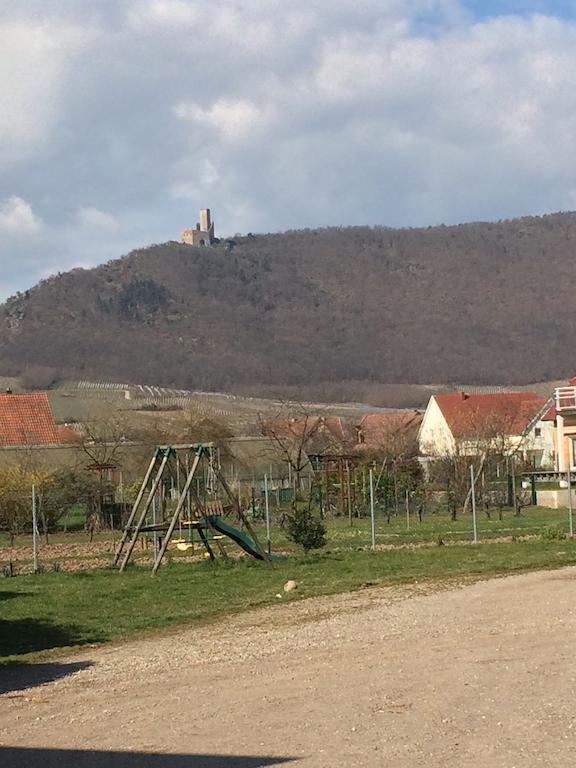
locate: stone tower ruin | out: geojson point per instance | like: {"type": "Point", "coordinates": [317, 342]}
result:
{"type": "Point", "coordinates": [204, 232]}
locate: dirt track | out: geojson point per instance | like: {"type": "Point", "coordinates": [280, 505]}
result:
{"type": "Point", "coordinates": [480, 675]}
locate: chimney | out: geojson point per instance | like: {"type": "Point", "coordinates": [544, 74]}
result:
{"type": "Point", "coordinates": [8, 390]}
{"type": "Point", "coordinates": [464, 395]}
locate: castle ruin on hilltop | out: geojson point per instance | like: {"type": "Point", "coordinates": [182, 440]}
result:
{"type": "Point", "coordinates": [204, 232]}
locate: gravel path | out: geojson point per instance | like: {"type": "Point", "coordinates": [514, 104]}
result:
{"type": "Point", "coordinates": [476, 675]}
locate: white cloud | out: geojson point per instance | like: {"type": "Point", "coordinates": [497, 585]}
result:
{"type": "Point", "coordinates": [17, 219]}
{"type": "Point", "coordinates": [235, 120]}
{"type": "Point", "coordinates": [97, 220]}
{"type": "Point", "coordinates": [169, 13]}
{"type": "Point", "coordinates": [33, 63]}
{"type": "Point", "coordinates": [275, 114]}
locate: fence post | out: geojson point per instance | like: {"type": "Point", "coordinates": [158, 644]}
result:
{"type": "Point", "coordinates": [267, 507]}
{"type": "Point", "coordinates": [570, 516]}
{"type": "Point", "coordinates": [372, 511]}
{"type": "Point", "coordinates": [34, 532]}
{"type": "Point", "coordinates": [473, 493]}
{"type": "Point", "coordinates": [407, 510]}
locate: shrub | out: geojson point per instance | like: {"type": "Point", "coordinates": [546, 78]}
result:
{"type": "Point", "coordinates": [553, 532]}
{"type": "Point", "coordinates": [304, 529]}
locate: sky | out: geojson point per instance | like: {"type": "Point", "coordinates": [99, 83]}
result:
{"type": "Point", "coordinates": [119, 119]}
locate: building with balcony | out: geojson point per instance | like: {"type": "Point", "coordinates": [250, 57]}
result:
{"type": "Point", "coordinates": [561, 420]}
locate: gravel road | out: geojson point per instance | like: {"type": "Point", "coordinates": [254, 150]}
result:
{"type": "Point", "coordinates": [462, 676]}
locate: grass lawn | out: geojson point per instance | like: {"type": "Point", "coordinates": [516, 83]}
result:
{"type": "Point", "coordinates": [341, 536]}
{"type": "Point", "coordinates": [533, 521]}
{"type": "Point", "coordinates": [56, 610]}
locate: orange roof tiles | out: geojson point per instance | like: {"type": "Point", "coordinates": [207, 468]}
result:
{"type": "Point", "coordinates": [377, 429]}
{"type": "Point", "coordinates": [319, 434]}
{"type": "Point", "coordinates": [26, 419]}
{"type": "Point", "coordinates": [68, 436]}
{"type": "Point", "coordinates": [298, 427]}
{"type": "Point", "coordinates": [509, 412]}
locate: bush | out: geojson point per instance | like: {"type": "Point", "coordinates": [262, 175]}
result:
{"type": "Point", "coordinates": [552, 533]}
{"type": "Point", "coordinates": [304, 529]}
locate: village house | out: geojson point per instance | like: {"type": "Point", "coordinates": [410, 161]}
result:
{"type": "Point", "coordinates": [472, 423]}
{"type": "Point", "coordinates": [26, 420]}
{"type": "Point", "coordinates": [560, 423]}
{"type": "Point", "coordinates": [390, 433]}
{"type": "Point", "coordinates": [29, 433]}
{"type": "Point", "coordinates": [317, 435]}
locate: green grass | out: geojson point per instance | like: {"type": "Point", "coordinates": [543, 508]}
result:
{"type": "Point", "coordinates": [57, 610]}
{"type": "Point", "coordinates": [533, 521]}
{"type": "Point", "coordinates": [73, 520]}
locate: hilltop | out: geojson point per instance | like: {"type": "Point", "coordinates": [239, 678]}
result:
{"type": "Point", "coordinates": [319, 313]}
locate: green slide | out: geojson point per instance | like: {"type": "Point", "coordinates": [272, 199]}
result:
{"type": "Point", "coordinates": [243, 541]}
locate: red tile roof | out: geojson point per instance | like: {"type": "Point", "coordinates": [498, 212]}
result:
{"type": "Point", "coordinates": [68, 436]}
{"type": "Point", "coordinates": [505, 412]}
{"type": "Point", "coordinates": [550, 414]}
{"type": "Point", "coordinates": [26, 419]}
{"type": "Point", "coordinates": [297, 427]}
{"type": "Point", "coordinates": [320, 434]}
{"type": "Point", "coordinates": [378, 429]}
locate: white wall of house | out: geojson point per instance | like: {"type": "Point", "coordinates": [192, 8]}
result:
{"type": "Point", "coordinates": [539, 444]}
{"type": "Point", "coordinates": [435, 437]}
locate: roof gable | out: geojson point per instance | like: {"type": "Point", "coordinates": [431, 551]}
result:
{"type": "Point", "coordinates": [319, 434]}
{"type": "Point", "coordinates": [471, 415]}
{"type": "Point", "coordinates": [26, 419]}
{"type": "Point", "coordinates": [380, 429]}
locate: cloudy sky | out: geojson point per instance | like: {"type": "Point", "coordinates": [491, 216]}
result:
{"type": "Point", "coordinates": [120, 118]}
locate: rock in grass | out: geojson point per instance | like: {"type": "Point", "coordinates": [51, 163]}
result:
{"type": "Point", "coordinates": [290, 586]}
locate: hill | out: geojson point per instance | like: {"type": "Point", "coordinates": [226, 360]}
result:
{"type": "Point", "coordinates": [319, 313]}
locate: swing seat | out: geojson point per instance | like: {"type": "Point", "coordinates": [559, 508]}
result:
{"type": "Point", "coordinates": [183, 546]}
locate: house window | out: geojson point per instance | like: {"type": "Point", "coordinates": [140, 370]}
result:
{"type": "Point", "coordinates": [538, 432]}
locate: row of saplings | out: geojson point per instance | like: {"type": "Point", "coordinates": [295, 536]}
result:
{"type": "Point", "coordinates": [446, 488]}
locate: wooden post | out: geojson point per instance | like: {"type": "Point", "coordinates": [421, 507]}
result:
{"type": "Point", "coordinates": [176, 515]}
{"type": "Point", "coordinates": [126, 532]}
{"type": "Point", "coordinates": [242, 516]}
{"type": "Point", "coordinates": [142, 517]}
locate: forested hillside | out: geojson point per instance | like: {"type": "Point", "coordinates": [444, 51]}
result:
{"type": "Point", "coordinates": [313, 311]}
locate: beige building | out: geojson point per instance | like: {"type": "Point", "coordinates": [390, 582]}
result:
{"type": "Point", "coordinates": [561, 421]}
{"type": "Point", "coordinates": [203, 235]}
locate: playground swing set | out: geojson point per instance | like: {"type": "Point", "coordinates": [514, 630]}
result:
{"type": "Point", "coordinates": [181, 490]}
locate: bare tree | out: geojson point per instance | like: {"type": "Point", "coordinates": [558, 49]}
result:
{"type": "Point", "coordinates": [489, 443]}
{"type": "Point", "coordinates": [104, 440]}
{"type": "Point", "coordinates": [292, 431]}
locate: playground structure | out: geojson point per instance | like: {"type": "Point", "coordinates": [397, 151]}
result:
{"type": "Point", "coordinates": [183, 488]}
